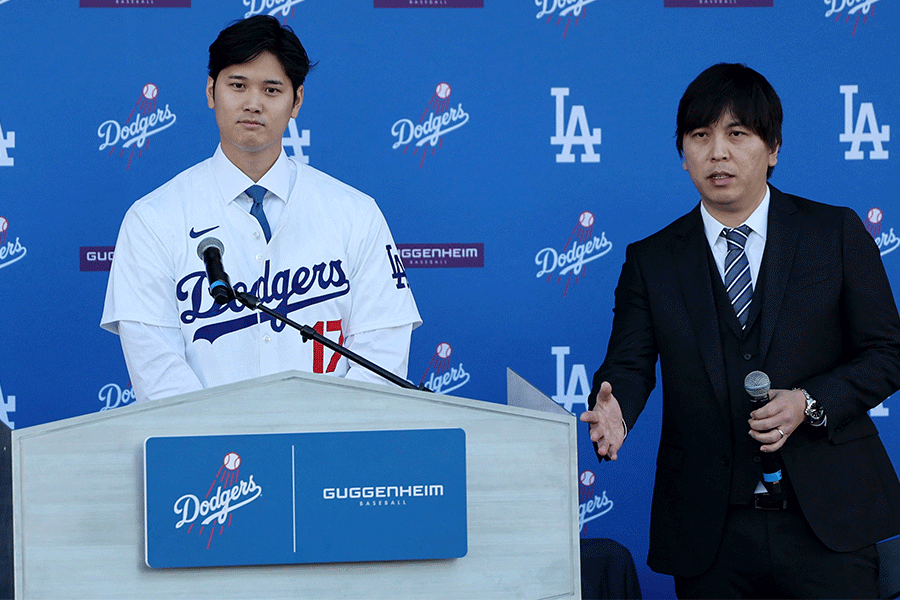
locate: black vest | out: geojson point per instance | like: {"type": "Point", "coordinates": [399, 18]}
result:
{"type": "Point", "coordinates": [740, 349]}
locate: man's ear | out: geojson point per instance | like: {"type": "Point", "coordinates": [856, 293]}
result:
{"type": "Point", "coordinates": [298, 101]}
{"type": "Point", "coordinates": [211, 92]}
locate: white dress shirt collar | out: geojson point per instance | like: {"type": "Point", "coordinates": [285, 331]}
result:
{"type": "Point", "coordinates": [233, 182]}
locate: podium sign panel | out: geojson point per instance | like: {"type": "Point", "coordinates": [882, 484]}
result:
{"type": "Point", "coordinates": [288, 498]}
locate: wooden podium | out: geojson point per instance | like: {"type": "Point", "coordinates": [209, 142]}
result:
{"type": "Point", "coordinates": [78, 505]}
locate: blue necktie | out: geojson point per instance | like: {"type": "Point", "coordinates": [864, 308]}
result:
{"type": "Point", "coordinates": [257, 193]}
{"type": "Point", "coordinates": [737, 272]}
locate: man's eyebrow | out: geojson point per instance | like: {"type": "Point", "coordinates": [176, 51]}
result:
{"type": "Point", "coordinates": [267, 81]}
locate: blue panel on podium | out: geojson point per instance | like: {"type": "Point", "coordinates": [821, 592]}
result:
{"type": "Point", "coordinates": [305, 498]}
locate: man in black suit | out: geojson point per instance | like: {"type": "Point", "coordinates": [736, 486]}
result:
{"type": "Point", "coordinates": [754, 279]}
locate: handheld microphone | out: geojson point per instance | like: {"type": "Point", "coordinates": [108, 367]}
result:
{"type": "Point", "coordinates": [757, 385]}
{"type": "Point", "coordinates": [210, 252]}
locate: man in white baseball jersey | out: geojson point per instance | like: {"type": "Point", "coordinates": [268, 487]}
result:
{"type": "Point", "coordinates": [308, 246]}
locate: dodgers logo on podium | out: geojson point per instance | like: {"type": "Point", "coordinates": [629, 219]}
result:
{"type": "Point", "coordinates": [305, 498]}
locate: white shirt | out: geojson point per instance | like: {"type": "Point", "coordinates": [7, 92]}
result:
{"type": "Point", "coordinates": [756, 241]}
{"type": "Point", "coordinates": [331, 264]}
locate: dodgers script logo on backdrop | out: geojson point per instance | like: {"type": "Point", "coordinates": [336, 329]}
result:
{"type": "Point", "coordinates": [858, 8]}
{"type": "Point", "coordinates": [296, 141]}
{"type": "Point", "coordinates": [231, 493]}
{"type": "Point", "coordinates": [7, 405]}
{"type": "Point", "coordinates": [866, 129]}
{"type": "Point", "coordinates": [275, 7]}
{"type": "Point", "coordinates": [438, 119]}
{"type": "Point", "coordinates": [145, 120]}
{"type": "Point", "coordinates": [113, 396]}
{"type": "Point", "coordinates": [10, 251]}
{"type": "Point", "coordinates": [887, 241]}
{"type": "Point", "coordinates": [304, 286]}
{"type": "Point", "coordinates": [581, 248]}
{"type": "Point", "coordinates": [568, 135]}
{"type": "Point", "coordinates": [590, 505]}
{"type": "Point", "coordinates": [441, 377]}
{"type": "Point", "coordinates": [7, 143]}
{"type": "Point", "coordinates": [572, 10]}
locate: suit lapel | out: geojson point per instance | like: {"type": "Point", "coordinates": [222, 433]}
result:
{"type": "Point", "coordinates": [690, 252]}
{"type": "Point", "coordinates": [783, 229]}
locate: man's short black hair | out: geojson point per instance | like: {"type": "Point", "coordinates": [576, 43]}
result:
{"type": "Point", "coordinates": [243, 41]}
{"type": "Point", "coordinates": [736, 88]}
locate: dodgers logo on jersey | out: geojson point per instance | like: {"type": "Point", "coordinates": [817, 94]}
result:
{"type": "Point", "coordinates": [570, 10]}
{"type": "Point", "coordinates": [10, 251]}
{"type": "Point", "coordinates": [438, 119]}
{"type": "Point", "coordinates": [291, 289]}
{"type": "Point", "coordinates": [275, 8]}
{"type": "Point", "coordinates": [858, 9]}
{"type": "Point", "coordinates": [866, 129]}
{"type": "Point", "coordinates": [7, 143]}
{"type": "Point", "coordinates": [581, 248]}
{"type": "Point", "coordinates": [144, 121]}
{"type": "Point", "coordinates": [231, 493]}
{"type": "Point", "coordinates": [440, 377]}
{"type": "Point", "coordinates": [398, 272]}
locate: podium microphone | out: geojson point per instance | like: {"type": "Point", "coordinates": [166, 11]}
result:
{"type": "Point", "coordinates": [210, 252]}
{"type": "Point", "coordinates": [757, 385]}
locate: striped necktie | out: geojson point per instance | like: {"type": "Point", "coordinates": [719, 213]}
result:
{"type": "Point", "coordinates": [737, 272]}
{"type": "Point", "coordinates": [257, 193]}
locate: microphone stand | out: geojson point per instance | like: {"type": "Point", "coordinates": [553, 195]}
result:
{"type": "Point", "coordinates": [308, 333]}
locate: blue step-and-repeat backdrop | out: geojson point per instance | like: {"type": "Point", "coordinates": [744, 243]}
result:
{"type": "Point", "coordinates": [515, 146]}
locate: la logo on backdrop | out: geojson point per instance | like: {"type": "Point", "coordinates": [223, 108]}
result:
{"type": "Point", "coordinates": [581, 247]}
{"type": "Point", "coordinates": [7, 143]}
{"type": "Point", "coordinates": [146, 119]}
{"type": "Point", "coordinates": [437, 120]}
{"type": "Point", "coordinates": [7, 405]}
{"type": "Point", "coordinates": [866, 129]}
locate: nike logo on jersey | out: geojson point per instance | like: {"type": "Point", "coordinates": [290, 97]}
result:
{"type": "Point", "coordinates": [196, 234]}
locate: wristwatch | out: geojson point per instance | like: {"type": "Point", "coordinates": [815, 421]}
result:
{"type": "Point", "coordinates": [815, 412]}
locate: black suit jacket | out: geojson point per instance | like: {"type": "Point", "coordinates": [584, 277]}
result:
{"type": "Point", "coordinates": [829, 324]}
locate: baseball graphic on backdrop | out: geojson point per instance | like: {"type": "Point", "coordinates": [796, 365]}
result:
{"type": "Point", "coordinates": [231, 461]}
{"type": "Point", "coordinates": [150, 91]}
{"type": "Point", "coordinates": [875, 215]}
